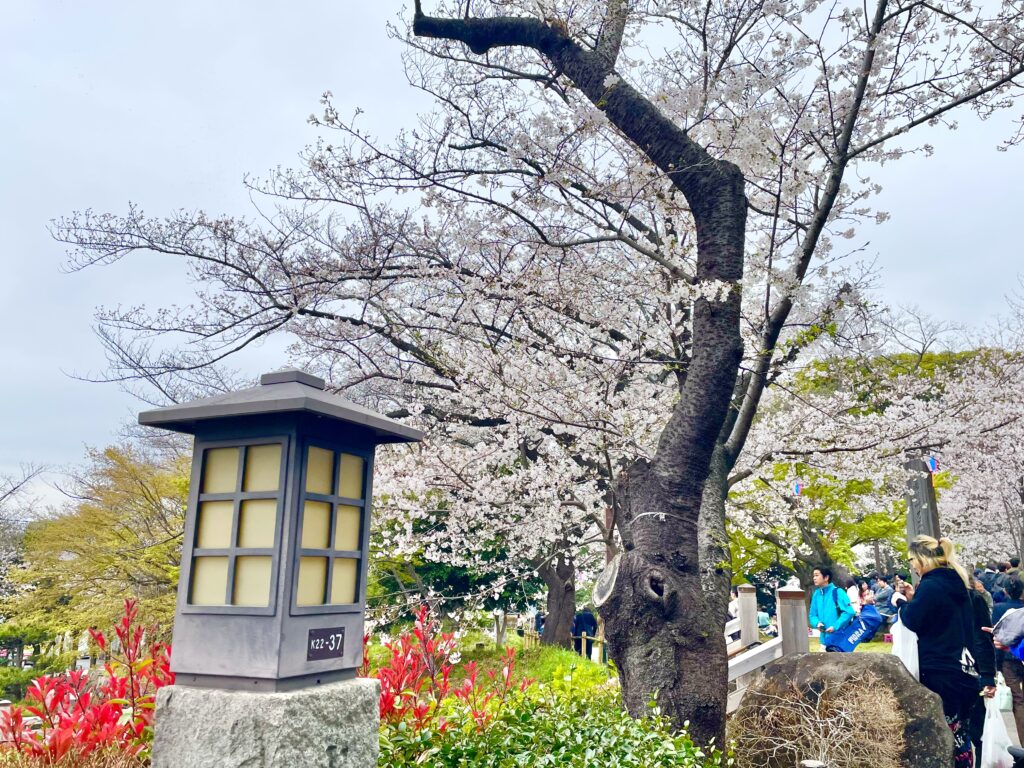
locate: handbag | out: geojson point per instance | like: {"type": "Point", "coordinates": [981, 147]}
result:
{"type": "Point", "coordinates": [904, 646]}
{"type": "Point", "coordinates": [861, 629]}
{"type": "Point", "coordinates": [995, 741]}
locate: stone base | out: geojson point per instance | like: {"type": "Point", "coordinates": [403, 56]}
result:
{"type": "Point", "coordinates": [326, 726]}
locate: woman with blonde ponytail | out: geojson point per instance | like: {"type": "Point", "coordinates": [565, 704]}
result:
{"type": "Point", "coordinates": [940, 611]}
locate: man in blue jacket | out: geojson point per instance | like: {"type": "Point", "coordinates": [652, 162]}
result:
{"type": "Point", "coordinates": [830, 607]}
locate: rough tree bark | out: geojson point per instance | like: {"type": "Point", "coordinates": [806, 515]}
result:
{"type": "Point", "coordinates": [662, 633]}
{"type": "Point", "coordinates": [559, 576]}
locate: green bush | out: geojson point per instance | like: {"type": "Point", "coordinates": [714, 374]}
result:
{"type": "Point", "coordinates": [14, 680]}
{"type": "Point", "coordinates": [564, 670]}
{"type": "Point", "coordinates": [546, 726]}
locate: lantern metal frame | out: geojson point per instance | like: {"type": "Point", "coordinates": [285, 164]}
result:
{"type": "Point", "coordinates": [338, 447]}
{"type": "Point", "coordinates": [190, 550]}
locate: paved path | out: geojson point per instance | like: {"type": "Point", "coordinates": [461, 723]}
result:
{"type": "Point", "coordinates": [1011, 728]}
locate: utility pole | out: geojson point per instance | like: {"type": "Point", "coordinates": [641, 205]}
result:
{"type": "Point", "coordinates": [922, 510]}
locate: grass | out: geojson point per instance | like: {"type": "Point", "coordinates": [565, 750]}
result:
{"type": "Point", "coordinates": [544, 663]}
{"type": "Point", "coordinates": [875, 646]}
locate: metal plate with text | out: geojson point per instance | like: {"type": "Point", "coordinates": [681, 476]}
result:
{"type": "Point", "coordinates": [326, 643]}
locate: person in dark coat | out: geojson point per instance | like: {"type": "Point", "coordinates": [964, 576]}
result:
{"type": "Point", "coordinates": [1000, 583]}
{"type": "Point", "coordinates": [1012, 667]}
{"type": "Point", "coordinates": [988, 576]}
{"type": "Point", "coordinates": [584, 623]}
{"type": "Point", "coordinates": [985, 661]}
{"type": "Point", "coordinates": [940, 611]}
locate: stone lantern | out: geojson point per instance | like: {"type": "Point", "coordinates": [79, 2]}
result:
{"type": "Point", "coordinates": [272, 588]}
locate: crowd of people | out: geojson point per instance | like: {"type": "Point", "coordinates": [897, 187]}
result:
{"type": "Point", "coordinates": [952, 613]}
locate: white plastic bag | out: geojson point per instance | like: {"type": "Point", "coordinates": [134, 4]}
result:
{"type": "Point", "coordinates": [904, 645]}
{"type": "Point", "coordinates": [1004, 696]}
{"type": "Point", "coordinates": [995, 741]}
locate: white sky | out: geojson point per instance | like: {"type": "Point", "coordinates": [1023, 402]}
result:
{"type": "Point", "coordinates": [169, 105]}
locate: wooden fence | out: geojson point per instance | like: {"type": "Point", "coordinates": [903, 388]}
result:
{"type": "Point", "coordinates": [747, 654]}
{"type": "Point", "coordinates": [791, 617]}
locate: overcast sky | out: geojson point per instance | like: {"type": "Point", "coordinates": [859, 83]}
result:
{"type": "Point", "coordinates": [169, 105]}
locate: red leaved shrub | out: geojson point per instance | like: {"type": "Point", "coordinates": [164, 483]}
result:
{"type": "Point", "coordinates": [416, 679]}
{"type": "Point", "coordinates": [76, 714]}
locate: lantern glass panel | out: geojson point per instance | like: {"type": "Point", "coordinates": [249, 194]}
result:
{"type": "Point", "coordinates": [262, 468]}
{"type": "Point", "coordinates": [312, 586]}
{"type": "Point", "coordinates": [214, 525]}
{"type": "Point", "coordinates": [319, 470]}
{"type": "Point", "coordinates": [316, 525]}
{"type": "Point", "coordinates": [257, 524]}
{"type": "Point", "coordinates": [220, 470]}
{"type": "Point", "coordinates": [344, 579]}
{"type": "Point", "coordinates": [252, 582]}
{"type": "Point", "coordinates": [350, 476]}
{"type": "Point", "coordinates": [209, 581]}
{"type": "Point", "coordinates": [347, 529]}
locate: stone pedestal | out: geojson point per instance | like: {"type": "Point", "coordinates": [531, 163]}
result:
{"type": "Point", "coordinates": [326, 726]}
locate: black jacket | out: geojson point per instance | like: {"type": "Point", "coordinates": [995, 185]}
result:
{"type": "Point", "coordinates": [942, 615]}
{"type": "Point", "coordinates": [984, 650]}
{"type": "Point", "coordinates": [585, 621]}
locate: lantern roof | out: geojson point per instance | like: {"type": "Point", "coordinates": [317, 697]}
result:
{"type": "Point", "coordinates": [286, 391]}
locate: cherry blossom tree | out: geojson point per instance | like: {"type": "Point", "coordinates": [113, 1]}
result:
{"type": "Point", "coordinates": [984, 510]}
{"type": "Point", "coordinates": [832, 473]}
{"type": "Point", "coordinates": [557, 253]}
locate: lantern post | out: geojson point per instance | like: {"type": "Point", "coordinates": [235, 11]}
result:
{"type": "Point", "coordinates": [272, 592]}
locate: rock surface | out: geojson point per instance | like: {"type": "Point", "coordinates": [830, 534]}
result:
{"type": "Point", "coordinates": [327, 726]}
{"type": "Point", "coordinates": [928, 742]}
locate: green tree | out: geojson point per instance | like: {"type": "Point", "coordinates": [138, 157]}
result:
{"type": "Point", "coordinates": [822, 525]}
{"type": "Point", "coordinates": [118, 537]}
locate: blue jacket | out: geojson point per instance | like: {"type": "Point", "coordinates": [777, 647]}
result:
{"type": "Point", "coordinates": [830, 606]}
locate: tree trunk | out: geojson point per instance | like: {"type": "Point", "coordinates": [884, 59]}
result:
{"type": "Point", "coordinates": [559, 576]}
{"type": "Point", "coordinates": [715, 557]}
{"type": "Point", "coordinates": [664, 630]}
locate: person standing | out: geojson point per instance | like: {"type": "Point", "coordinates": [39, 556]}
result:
{"type": "Point", "coordinates": [984, 657]}
{"type": "Point", "coordinates": [978, 586]}
{"type": "Point", "coordinates": [734, 611]}
{"type": "Point", "coordinates": [585, 623]}
{"type": "Point", "coordinates": [988, 576]}
{"type": "Point", "coordinates": [940, 611]}
{"type": "Point", "coordinates": [1000, 583]}
{"type": "Point", "coordinates": [1012, 667]}
{"type": "Point", "coordinates": [853, 592]}
{"type": "Point", "coordinates": [883, 601]}
{"type": "Point", "coordinates": [830, 607]}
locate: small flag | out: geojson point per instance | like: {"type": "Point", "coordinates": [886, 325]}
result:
{"type": "Point", "coordinates": [933, 464]}
{"type": "Point", "coordinates": [798, 488]}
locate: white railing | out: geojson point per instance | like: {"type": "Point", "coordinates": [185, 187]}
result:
{"type": "Point", "coordinates": [791, 612]}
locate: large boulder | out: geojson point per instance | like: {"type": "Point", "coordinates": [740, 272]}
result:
{"type": "Point", "coordinates": [847, 710]}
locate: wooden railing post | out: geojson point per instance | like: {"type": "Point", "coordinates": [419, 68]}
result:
{"type": "Point", "coordinates": [791, 612]}
{"type": "Point", "coordinates": [748, 615]}
{"type": "Point", "coordinates": [500, 625]}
